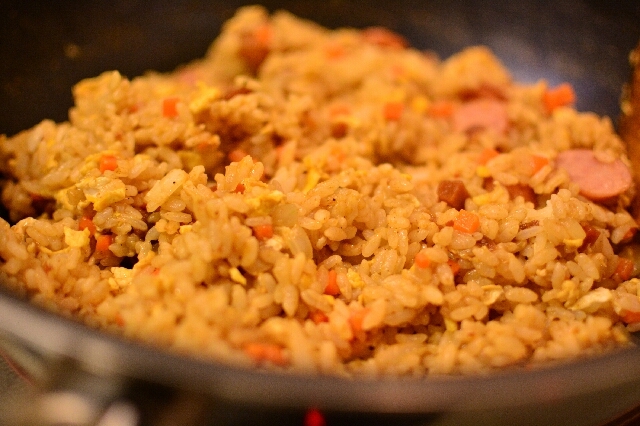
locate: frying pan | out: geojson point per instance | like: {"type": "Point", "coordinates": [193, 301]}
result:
{"type": "Point", "coordinates": [83, 375]}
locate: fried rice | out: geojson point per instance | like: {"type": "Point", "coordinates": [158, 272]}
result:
{"type": "Point", "coordinates": [330, 202]}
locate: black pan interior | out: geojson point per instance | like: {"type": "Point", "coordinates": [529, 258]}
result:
{"type": "Point", "coordinates": [45, 47]}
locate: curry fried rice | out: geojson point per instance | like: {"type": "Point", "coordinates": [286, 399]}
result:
{"type": "Point", "coordinates": [331, 202]}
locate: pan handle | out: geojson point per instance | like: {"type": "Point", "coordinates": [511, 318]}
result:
{"type": "Point", "coordinates": [50, 392]}
{"type": "Point", "coordinates": [58, 391]}
{"type": "Point", "coordinates": [72, 408]}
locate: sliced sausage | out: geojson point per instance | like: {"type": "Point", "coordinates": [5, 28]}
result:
{"type": "Point", "coordinates": [483, 91]}
{"type": "Point", "coordinates": [383, 37]}
{"type": "Point", "coordinates": [453, 192]}
{"type": "Point", "coordinates": [188, 76]}
{"type": "Point", "coordinates": [482, 113]}
{"type": "Point", "coordinates": [255, 46]}
{"type": "Point", "coordinates": [521, 190]}
{"type": "Point", "coordinates": [236, 91]}
{"type": "Point", "coordinates": [598, 180]}
{"type": "Point", "coordinates": [516, 190]}
{"type": "Point", "coordinates": [630, 123]}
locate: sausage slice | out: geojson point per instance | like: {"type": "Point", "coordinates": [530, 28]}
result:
{"type": "Point", "coordinates": [597, 179]}
{"type": "Point", "coordinates": [482, 113]}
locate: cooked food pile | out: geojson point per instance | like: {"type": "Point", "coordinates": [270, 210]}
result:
{"type": "Point", "coordinates": [332, 202]}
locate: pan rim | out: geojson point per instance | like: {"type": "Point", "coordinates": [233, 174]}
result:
{"type": "Point", "coordinates": [108, 355]}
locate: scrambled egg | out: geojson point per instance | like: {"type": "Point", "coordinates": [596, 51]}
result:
{"type": "Point", "coordinates": [185, 229]}
{"type": "Point", "coordinates": [313, 173]}
{"type": "Point", "coordinates": [483, 171]}
{"type": "Point", "coordinates": [420, 104]}
{"type": "Point", "coordinates": [102, 191]}
{"type": "Point", "coordinates": [313, 177]}
{"type": "Point", "coordinates": [330, 299]}
{"type": "Point", "coordinates": [75, 238]}
{"type": "Point", "coordinates": [496, 196]}
{"type": "Point", "coordinates": [576, 242]}
{"type": "Point", "coordinates": [92, 161]}
{"type": "Point", "coordinates": [593, 300]}
{"type": "Point", "coordinates": [491, 294]}
{"type": "Point", "coordinates": [355, 279]}
{"type": "Point", "coordinates": [72, 238]}
{"type": "Point", "coordinates": [264, 202]}
{"type": "Point", "coordinates": [276, 242]}
{"type": "Point", "coordinates": [203, 97]}
{"type": "Point", "coordinates": [121, 278]}
{"type": "Point", "coordinates": [450, 325]}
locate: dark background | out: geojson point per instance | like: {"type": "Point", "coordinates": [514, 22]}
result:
{"type": "Point", "coordinates": [45, 47]}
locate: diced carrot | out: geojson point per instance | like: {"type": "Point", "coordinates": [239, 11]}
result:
{"type": "Point", "coordinates": [338, 155]}
{"type": "Point", "coordinates": [338, 110]}
{"type": "Point", "coordinates": [169, 107]}
{"type": "Point", "coordinates": [103, 242]}
{"type": "Point", "coordinates": [86, 223]}
{"type": "Point", "coordinates": [318, 317]}
{"type": "Point", "coordinates": [239, 189]}
{"type": "Point", "coordinates": [383, 37]}
{"type": "Point", "coordinates": [455, 266]}
{"type": "Point", "coordinates": [332, 288]}
{"type": "Point", "coordinates": [255, 45]}
{"type": "Point", "coordinates": [421, 260]}
{"type": "Point", "coordinates": [237, 154]}
{"type": "Point", "coordinates": [107, 162]}
{"type": "Point", "coordinates": [356, 318]}
{"type": "Point", "coordinates": [334, 51]}
{"type": "Point", "coordinates": [624, 269]}
{"type": "Point", "coordinates": [263, 232]}
{"type": "Point", "coordinates": [466, 222]}
{"type": "Point", "coordinates": [537, 163]}
{"type": "Point", "coordinates": [398, 70]}
{"type": "Point", "coordinates": [441, 109]}
{"type": "Point", "coordinates": [265, 352]}
{"type": "Point", "coordinates": [561, 95]}
{"type": "Point", "coordinates": [279, 152]}
{"type": "Point", "coordinates": [264, 34]}
{"type": "Point", "coordinates": [119, 320]}
{"type": "Point", "coordinates": [392, 111]}
{"type": "Point", "coordinates": [629, 234]}
{"type": "Point", "coordinates": [631, 317]}
{"type": "Point", "coordinates": [486, 155]}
